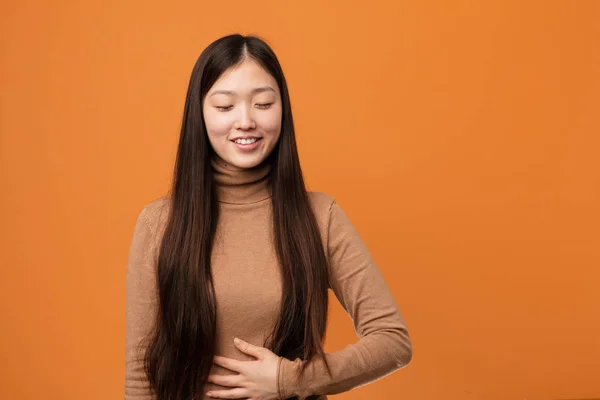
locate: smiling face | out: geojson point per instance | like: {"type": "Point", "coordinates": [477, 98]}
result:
{"type": "Point", "coordinates": [242, 114]}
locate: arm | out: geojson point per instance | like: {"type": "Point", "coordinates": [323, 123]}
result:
{"type": "Point", "coordinates": [384, 344]}
{"type": "Point", "coordinates": [140, 307]}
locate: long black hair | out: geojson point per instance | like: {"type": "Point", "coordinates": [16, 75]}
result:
{"type": "Point", "coordinates": [181, 347]}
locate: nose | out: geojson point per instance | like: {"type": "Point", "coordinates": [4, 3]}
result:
{"type": "Point", "coordinates": [245, 120]}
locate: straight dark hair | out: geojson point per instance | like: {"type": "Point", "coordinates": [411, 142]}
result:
{"type": "Point", "coordinates": [180, 348]}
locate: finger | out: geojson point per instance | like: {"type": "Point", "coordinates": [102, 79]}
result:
{"type": "Point", "coordinates": [225, 380]}
{"type": "Point", "coordinates": [229, 363]}
{"type": "Point", "coordinates": [238, 393]}
{"type": "Point", "coordinates": [248, 348]}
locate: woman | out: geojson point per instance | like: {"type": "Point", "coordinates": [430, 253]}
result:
{"type": "Point", "coordinates": [240, 250]}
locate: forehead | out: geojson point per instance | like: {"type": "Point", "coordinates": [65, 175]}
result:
{"type": "Point", "coordinates": [244, 77]}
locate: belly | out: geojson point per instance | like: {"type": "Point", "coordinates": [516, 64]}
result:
{"type": "Point", "coordinates": [247, 284]}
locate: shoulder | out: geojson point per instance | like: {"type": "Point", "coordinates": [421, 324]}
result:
{"type": "Point", "coordinates": [320, 201]}
{"type": "Point", "coordinates": [322, 204]}
{"type": "Point", "coordinates": [155, 213]}
{"type": "Point", "coordinates": [330, 214]}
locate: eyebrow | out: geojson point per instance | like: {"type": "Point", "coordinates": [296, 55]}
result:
{"type": "Point", "coordinates": [254, 91]}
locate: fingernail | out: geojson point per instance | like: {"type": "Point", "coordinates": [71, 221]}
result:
{"type": "Point", "coordinates": [237, 341]}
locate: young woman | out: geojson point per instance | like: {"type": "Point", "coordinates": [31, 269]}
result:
{"type": "Point", "coordinates": [228, 276]}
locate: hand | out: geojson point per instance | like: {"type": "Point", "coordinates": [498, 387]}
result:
{"type": "Point", "coordinates": [255, 380]}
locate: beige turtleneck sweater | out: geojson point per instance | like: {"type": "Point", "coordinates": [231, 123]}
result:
{"type": "Point", "coordinates": [248, 290]}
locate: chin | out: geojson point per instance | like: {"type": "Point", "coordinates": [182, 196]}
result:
{"type": "Point", "coordinates": [244, 162]}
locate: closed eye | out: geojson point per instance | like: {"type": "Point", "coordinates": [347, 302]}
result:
{"type": "Point", "coordinates": [264, 105]}
{"type": "Point", "coordinates": [223, 108]}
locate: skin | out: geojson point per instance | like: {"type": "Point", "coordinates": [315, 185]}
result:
{"type": "Point", "coordinates": [244, 101]}
{"type": "Point", "coordinates": [255, 380]}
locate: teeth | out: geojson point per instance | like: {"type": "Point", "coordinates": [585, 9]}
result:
{"type": "Point", "coordinates": [246, 141]}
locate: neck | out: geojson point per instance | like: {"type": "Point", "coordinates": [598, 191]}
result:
{"type": "Point", "coordinates": [241, 185]}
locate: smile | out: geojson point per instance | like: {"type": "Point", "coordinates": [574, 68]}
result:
{"type": "Point", "coordinates": [247, 144]}
{"type": "Point", "coordinates": [246, 140]}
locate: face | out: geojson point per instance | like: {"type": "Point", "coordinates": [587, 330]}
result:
{"type": "Point", "coordinates": [242, 114]}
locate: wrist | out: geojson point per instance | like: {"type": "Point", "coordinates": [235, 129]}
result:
{"type": "Point", "coordinates": [288, 378]}
{"type": "Point", "coordinates": [279, 379]}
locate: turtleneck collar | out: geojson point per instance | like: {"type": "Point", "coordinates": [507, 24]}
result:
{"type": "Point", "coordinates": [241, 186]}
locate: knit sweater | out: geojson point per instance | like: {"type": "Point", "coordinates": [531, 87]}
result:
{"type": "Point", "coordinates": [247, 284]}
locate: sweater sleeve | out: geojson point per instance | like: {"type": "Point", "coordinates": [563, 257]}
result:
{"type": "Point", "coordinates": [140, 307]}
{"type": "Point", "coordinates": [384, 344]}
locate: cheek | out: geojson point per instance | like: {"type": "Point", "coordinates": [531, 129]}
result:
{"type": "Point", "coordinates": [270, 123]}
{"type": "Point", "coordinates": [217, 124]}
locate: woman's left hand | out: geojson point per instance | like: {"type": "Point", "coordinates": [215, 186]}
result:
{"type": "Point", "coordinates": [255, 380]}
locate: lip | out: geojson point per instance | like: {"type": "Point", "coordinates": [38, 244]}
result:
{"type": "Point", "coordinates": [247, 147]}
{"type": "Point", "coordinates": [245, 137]}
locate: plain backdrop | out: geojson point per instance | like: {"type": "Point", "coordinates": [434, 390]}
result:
{"type": "Point", "coordinates": [462, 139]}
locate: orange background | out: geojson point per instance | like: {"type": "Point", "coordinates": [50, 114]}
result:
{"type": "Point", "coordinates": [461, 139]}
